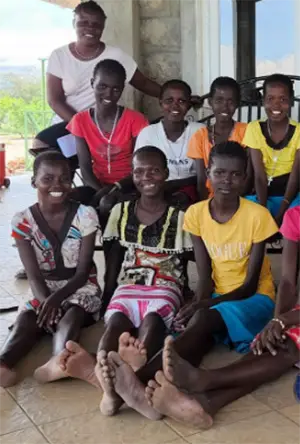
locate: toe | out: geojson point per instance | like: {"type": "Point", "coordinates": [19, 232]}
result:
{"type": "Point", "coordinates": [101, 355]}
{"type": "Point", "coordinates": [115, 359]}
{"type": "Point", "coordinates": [124, 338]}
{"type": "Point", "coordinates": [62, 359]}
{"type": "Point", "coordinates": [160, 377]}
{"type": "Point", "coordinates": [152, 384]}
{"type": "Point", "coordinates": [73, 347]}
{"type": "Point", "coordinates": [132, 340]}
{"type": "Point", "coordinates": [168, 341]}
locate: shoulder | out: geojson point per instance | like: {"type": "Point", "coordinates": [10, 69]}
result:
{"type": "Point", "coordinates": [253, 210]}
{"type": "Point", "coordinates": [62, 51]}
{"type": "Point", "coordinates": [253, 126]}
{"type": "Point", "coordinates": [242, 126]}
{"type": "Point", "coordinates": [201, 133]}
{"type": "Point", "coordinates": [87, 212]}
{"type": "Point", "coordinates": [193, 127]}
{"type": "Point", "coordinates": [290, 227]}
{"type": "Point", "coordinates": [82, 116]}
{"type": "Point", "coordinates": [21, 216]}
{"type": "Point", "coordinates": [197, 209]}
{"type": "Point", "coordinates": [133, 115]}
{"type": "Point", "coordinates": [116, 53]}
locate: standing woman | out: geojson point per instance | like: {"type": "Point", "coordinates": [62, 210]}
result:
{"type": "Point", "coordinates": [70, 69]}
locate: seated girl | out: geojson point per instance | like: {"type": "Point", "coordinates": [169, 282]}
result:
{"type": "Point", "coordinates": [105, 138]}
{"type": "Point", "coordinates": [224, 99]}
{"type": "Point", "coordinates": [55, 238]}
{"type": "Point", "coordinates": [275, 149]}
{"type": "Point", "coordinates": [171, 135]}
{"type": "Point", "coordinates": [229, 235]}
{"type": "Point", "coordinates": [274, 351]}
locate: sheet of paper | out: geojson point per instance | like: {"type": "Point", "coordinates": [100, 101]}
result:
{"type": "Point", "coordinates": [67, 145]}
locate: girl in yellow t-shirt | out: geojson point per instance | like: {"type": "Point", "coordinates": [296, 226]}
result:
{"type": "Point", "coordinates": [224, 99]}
{"type": "Point", "coordinates": [229, 235]}
{"type": "Point", "coordinates": [275, 149]}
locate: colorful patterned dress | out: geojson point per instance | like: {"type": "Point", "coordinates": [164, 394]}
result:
{"type": "Point", "coordinates": [58, 254]}
{"type": "Point", "coordinates": [152, 274]}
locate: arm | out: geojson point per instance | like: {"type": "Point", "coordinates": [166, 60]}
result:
{"type": "Point", "coordinates": [57, 99]}
{"type": "Point", "coordinates": [250, 284]}
{"type": "Point", "coordinates": [201, 179]}
{"type": "Point", "coordinates": [287, 291]}
{"type": "Point", "coordinates": [114, 262]}
{"type": "Point", "coordinates": [35, 278]}
{"type": "Point", "coordinates": [144, 84]}
{"type": "Point", "coordinates": [82, 270]}
{"type": "Point", "coordinates": [291, 189]}
{"type": "Point", "coordinates": [260, 177]}
{"type": "Point", "coordinates": [85, 164]}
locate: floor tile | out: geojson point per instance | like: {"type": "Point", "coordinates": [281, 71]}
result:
{"type": "Point", "coordinates": [278, 394]}
{"type": "Point", "coordinates": [127, 427]}
{"type": "Point", "coordinates": [12, 416]}
{"type": "Point", "coordinates": [220, 356]}
{"type": "Point", "coordinates": [236, 411]}
{"type": "Point", "coordinates": [292, 412]}
{"type": "Point", "coordinates": [26, 436]}
{"type": "Point", "coordinates": [270, 428]}
{"type": "Point", "coordinates": [57, 400]}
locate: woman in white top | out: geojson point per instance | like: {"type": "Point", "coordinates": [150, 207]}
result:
{"type": "Point", "coordinates": [70, 70]}
{"type": "Point", "coordinates": [172, 135]}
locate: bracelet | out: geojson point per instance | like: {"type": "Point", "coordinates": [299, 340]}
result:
{"type": "Point", "coordinates": [286, 201]}
{"type": "Point", "coordinates": [282, 325]}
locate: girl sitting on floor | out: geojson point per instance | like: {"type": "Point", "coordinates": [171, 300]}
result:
{"type": "Point", "coordinates": [171, 135]}
{"type": "Point", "coordinates": [224, 98]}
{"type": "Point", "coordinates": [274, 351]}
{"type": "Point", "coordinates": [275, 149]}
{"type": "Point", "coordinates": [55, 238]}
{"type": "Point", "coordinates": [105, 139]}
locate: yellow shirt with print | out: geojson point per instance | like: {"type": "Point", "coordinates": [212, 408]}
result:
{"type": "Point", "coordinates": [229, 244]}
{"type": "Point", "coordinates": [255, 139]}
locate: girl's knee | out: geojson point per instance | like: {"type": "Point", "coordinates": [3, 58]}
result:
{"type": "Point", "coordinates": [106, 204]}
{"type": "Point", "coordinates": [26, 319]}
{"type": "Point", "coordinates": [74, 314]}
{"type": "Point", "coordinates": [38, 143]}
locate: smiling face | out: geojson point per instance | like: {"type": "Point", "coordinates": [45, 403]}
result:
{"type": "Point", "coordinates": [224, 103]}
{"type": "Point", "coordinates": [88, 27]}
{"type": "Point", "coordinates": [227, 176]}
{"type": "Point", "coordinates": [149, 174]}
{"type": "Point", "coordinates": [53, 182]}
{"type": "Point", "coordinates": [277, 102]}
{"type": "Point", "coordinates": [175, 103]}
{"type": "Point", "coordinates": [108, 88]}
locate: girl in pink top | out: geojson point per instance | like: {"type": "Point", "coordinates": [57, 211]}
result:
{"type": "Point", "coordinates": [105, 138]}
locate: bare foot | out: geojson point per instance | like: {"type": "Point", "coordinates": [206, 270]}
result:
{"type": "Point", "coordinates": [180, 372]}
{"type": "Point", "coordinates": [111, 402]}
{"type": "Point", "coordinates": [169, 401]}
{"type": "Point", "coordinates": [129, 388]}
{"type": "Point", "coordinates": [51, 371]}
{"type": "Point", "coordinates": [78, 363]}
{"type": "Point", "coordinates": [8, 377]}
{"type": "Point", "coordinates": [132, 351]}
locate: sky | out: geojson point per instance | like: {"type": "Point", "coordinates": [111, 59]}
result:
{"type": "Point", "coordinates": [31, 29]}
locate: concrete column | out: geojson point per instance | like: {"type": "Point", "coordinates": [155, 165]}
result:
{"type": "Point", "coordinates": [122, 30]}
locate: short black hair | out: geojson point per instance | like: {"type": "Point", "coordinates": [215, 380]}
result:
{"type": "Point", "coordinates": [175, 84]}
{"type": "Point", "coordinates": [49, 156]}
{"type": "Point", "coordinates": [111, 67]}
{"type": "Point", "coordinates": [282, 79]}
{"type": "Point", "coordinates": [150, 150]}
{"type": "Point", "coordinates": [91, 7]}
{"type": "Point", "coordinates": [228, 149]}
{"type": "Point", "coordinates": [225, 82]}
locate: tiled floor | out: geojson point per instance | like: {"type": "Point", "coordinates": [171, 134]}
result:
{"type": "Point", "coordinates": [67, 412]}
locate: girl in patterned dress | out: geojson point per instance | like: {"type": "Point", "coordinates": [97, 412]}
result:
{"type": "Point", "coordinates": [145, 295]}
{"type": "Point", "coordinates": [55, 238]}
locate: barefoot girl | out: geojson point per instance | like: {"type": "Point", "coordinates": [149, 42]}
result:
{"type": "Point", "coordinates": [55, 238]}
{"type": "Point", "coordinates": [275, 149]}
{"type": "Point", "coordinates": [275, 351]}
{"type": "Point", "coordinates": [105, 138]}
{"type": "Point", "coordinates": [224, 99]}
{"type": "Point", "coordinates": [143, 304]}
{"type": "Point", "coordinates": [172, 135]}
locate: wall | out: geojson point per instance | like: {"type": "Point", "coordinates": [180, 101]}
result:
{"type": "Point", "coordinates": [160, 44]}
